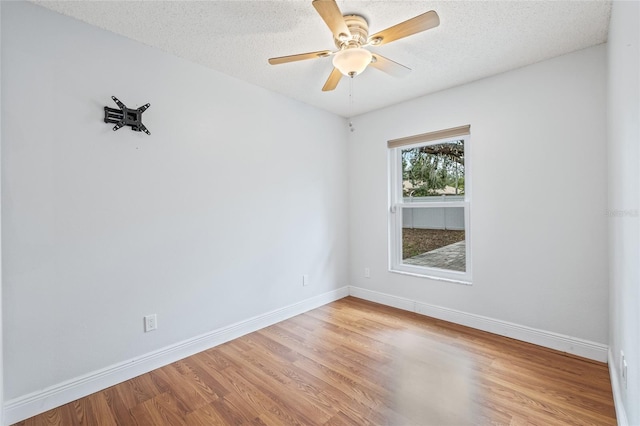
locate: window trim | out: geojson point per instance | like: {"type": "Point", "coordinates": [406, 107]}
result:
{"type": "Point", "coordinates": [397, 204]}
{"type": "Point", "coordinates": [439, 135]}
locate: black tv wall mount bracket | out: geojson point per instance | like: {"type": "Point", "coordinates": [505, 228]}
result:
{"type": "Point", "coordinates": [126, 116]}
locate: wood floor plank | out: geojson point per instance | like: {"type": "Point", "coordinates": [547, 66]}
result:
{"type": "Point", "coordinates": [117, 407]}
{"type": "Point", "coordinates": [163, 409]}
{"type": "Point", "coordinates": [244, 390]}
{"type": "Point", "coordinates": [205, 377]}
{"type": "Point", "coordinates": [186, 392]}
{"type": "Point", "coordinates": [101, 410]}
{"type": "Point", "coordinates": [205, 416]}
{"type": "Point", "coordinates": [268, 378]}
{"type": "Point", "coordinates": [354, 362]}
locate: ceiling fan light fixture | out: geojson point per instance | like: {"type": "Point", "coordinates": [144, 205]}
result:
{"type": "Point", "coordinates": [352, 61]}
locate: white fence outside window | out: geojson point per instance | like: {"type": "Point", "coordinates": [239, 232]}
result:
{"type": "Point", "coordinates": [433, 218]}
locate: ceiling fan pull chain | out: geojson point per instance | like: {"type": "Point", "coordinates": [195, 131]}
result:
{"type": "Point", "coordinates": [351, 104]}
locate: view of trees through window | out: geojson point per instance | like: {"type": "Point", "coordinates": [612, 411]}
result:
{"type": "Point", "coordinates": [433, 170]}
{"type": "Point", "coordinates": [434, 236]}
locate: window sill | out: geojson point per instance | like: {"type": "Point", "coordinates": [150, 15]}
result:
{"type": "Point", "coordinates": [434, 277]}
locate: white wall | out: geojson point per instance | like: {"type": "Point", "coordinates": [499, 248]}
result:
{"type": "Point", "coordinates": [1, 339]}
{"type": "Point", "coordinates": [624, 206]}
{"type": "Point", "coordinates": [102, 227]}
{"type": "Point", "coordinates": [538, 189]}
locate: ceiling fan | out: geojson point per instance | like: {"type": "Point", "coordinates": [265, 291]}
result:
{"type": "Point", "coordinates": [351, 34]}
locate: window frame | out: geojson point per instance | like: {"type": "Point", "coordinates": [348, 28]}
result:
{"type": "Point", "coordinates": [397, 203]}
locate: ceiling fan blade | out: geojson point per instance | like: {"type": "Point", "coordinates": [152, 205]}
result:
{"type": "Point", "coordinates": [409, 27]}
{"type": "Point", "coordinates": [300, 57]}
{"type": "Point", "coordinates": [330, 13]}
{"type": "Point", "coordinates": [390, 67]}
{"type": "Point", "coordinates": [332, 81]}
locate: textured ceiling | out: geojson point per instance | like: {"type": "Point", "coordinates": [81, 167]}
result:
{"type": "Point", "coordinates": [475, 39]}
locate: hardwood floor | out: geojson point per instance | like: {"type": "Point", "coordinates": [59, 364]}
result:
{"type": "Point", "coordinates": [353, 362]}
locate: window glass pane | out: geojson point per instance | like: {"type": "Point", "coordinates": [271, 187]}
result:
{"type": "Point", "coordinates": [434, 237]}
{"type": "Point", "coordinates": [433, 170]}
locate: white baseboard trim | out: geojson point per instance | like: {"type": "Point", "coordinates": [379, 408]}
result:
{"type": "Point", "coordinates": [548, 339]}
{"type": "Point", "coordinates": [26, 406]}
{"type": "Point", "coordinates": [621, 413]}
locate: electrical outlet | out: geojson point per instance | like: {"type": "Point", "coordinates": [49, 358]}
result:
{"type": "Point", "coordinates": [623, 370]}
{"type": "Point", "coordinates": [367, 273]}
{"type": "Point", "coordinates": [305, 280]}
{"type": "Point", "coordinates": [150, 323]}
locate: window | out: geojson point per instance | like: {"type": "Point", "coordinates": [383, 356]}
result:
{"type": "Point", "coordinates": [429, 205]}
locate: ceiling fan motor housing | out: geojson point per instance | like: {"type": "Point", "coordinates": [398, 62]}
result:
{"type": "Point", "coordinates": [359, 29]}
